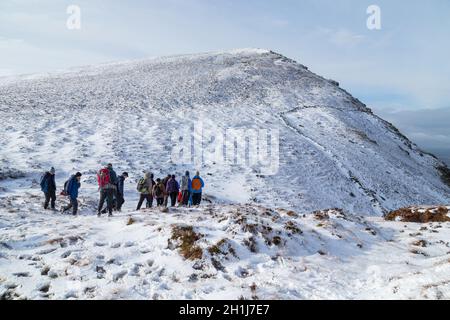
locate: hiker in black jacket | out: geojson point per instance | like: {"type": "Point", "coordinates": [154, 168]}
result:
{"type": "Point", "coordinates": [120, 190]}
{"type": "Point", "coordinates": [48, 186]}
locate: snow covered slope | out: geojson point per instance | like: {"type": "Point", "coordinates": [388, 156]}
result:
{"type": "Point", "coordinates": [333, 151]}
{"type": "Point", "coordinates": [219, 252]}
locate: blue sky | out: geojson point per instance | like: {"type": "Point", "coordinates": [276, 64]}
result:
{"type": "Point", "coordinates": [401, 71]}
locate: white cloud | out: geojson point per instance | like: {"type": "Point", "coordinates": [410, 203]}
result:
{"type": "Point", "coordinates": [340, 37]}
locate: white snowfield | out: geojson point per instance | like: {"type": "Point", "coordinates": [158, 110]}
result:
{"type": "Point", "coordinates": [230, 252]}
{"type": "Point", "coordinates": [255, 236]}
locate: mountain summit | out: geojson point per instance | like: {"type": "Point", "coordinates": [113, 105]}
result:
{"type": "Point", "coordinates": [331, 150]}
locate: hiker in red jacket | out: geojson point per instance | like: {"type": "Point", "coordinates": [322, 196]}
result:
{"type": "Point", "coordinates": [107, 189]}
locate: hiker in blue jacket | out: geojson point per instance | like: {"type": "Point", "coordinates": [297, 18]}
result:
{"type": "Point", "coordinates": [73, 184]}
{"type": "Point", "coordinates": [48, 186]}
{"type": "Point", "coordinates": [197, 189]}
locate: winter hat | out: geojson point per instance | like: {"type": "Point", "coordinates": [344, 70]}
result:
{"type": "Point", "coordinates": [187, 173]}
{"type": "Point", "coordinates": [78, 174]}
{"type": "Point", "coordinates": [52, 170]}
{"type": "Point", "coordinates": [198, 173]}
{"type": "Point", "coordinates": [125, 174]}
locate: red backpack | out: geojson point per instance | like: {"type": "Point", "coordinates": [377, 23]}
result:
{"type": "Point", "coordinates": [103, 178]}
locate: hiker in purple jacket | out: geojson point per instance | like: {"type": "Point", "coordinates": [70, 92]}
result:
{"type": "Point", "coordinates": [173, 188]}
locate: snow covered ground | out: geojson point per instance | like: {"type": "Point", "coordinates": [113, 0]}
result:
{"type": "Point", "coordinates": [218, 252]}
{"type": "Point", "coordinates": [245, 242]}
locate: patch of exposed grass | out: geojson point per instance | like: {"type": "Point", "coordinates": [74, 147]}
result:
{"type": "Point", "coordinates": [292, 227]}
{"type": "Point", "coordinates": [438, 214]}
{"type": "Point", "coordinates": [420, 243]}
{"type": "Point", "coordinates": [130, 221]}
{"type": "Point", "coordinates": [55, 241]}
{"type": "Point", "coordinates": [276, 240]}
{"type": "Point", "coordinates": [251, 244]}
{"type": "Point", "coordinates": [187, 239]}
{"type": "Point", "coordinates": [223, 247]}
{"type": "Point", "coordinates": [321, 215]}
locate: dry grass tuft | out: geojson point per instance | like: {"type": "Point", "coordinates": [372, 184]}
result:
{"type": "Point", "coordinates": [418, 215]}
{"type": "Point", "coordinates": [187, 239]}
{"type": "Point", "coordinates": [130, 221]}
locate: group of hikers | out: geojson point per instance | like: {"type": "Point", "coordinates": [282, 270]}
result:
{"type": "Point", "coordinates": [111, 187]}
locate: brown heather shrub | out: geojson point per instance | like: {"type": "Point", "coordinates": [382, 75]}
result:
{"type": "Point", "coordinates": [413, 214]}
{"type": "Point", "coordinates": [187, 238]}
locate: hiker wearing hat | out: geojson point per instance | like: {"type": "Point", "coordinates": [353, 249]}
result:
{"type": "Point", "coordinates": [145, 188]}
{"type": "Point", "coordinates": [71, 189]}
{"type": "Point", "coordinates": [48, 186]}
{"type": "Point", "coordinates": [120, 190]}
{"type": "Point", "coordinates": [197, 188]}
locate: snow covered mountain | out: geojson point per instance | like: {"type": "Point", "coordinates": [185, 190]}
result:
{"type": "Point", "coordinates": [333, 151]}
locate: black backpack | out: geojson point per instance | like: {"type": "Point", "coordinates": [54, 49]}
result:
{"type": "Point", "coordinates": [158, 191]}
{"type": "Point", "coordinates": [65, 192]}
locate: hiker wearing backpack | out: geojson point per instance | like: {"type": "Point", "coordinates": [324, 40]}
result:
{"type": "Point", "coordinates": [159, 192]}
{"type": "Point", "coordinates": [114, 181]}
{"type": "Point", "coordinates": [71, 188]}
{"type": "Point", "coordinates": [48, 186]}
{"type": "Point", "coordinates": [186, 188]}
{"type": "Point", "coordinates": [173, 188]}
{"type": "Point", "coordinates": [107, 184]}
{"type": "Point", "coordinates": [145, 188]}
{"type": "Point", "coordinates": [120, 190]}
{"type": "Point", "coordinates": [197, 189]}
{"type": "Point", "coordinates": [164, 182]}
{"type": "Point", "coordinates": [112, 174]}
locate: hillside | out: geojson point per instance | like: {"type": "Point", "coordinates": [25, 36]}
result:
{"type": "Point", "coordinates": [333, 151]}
